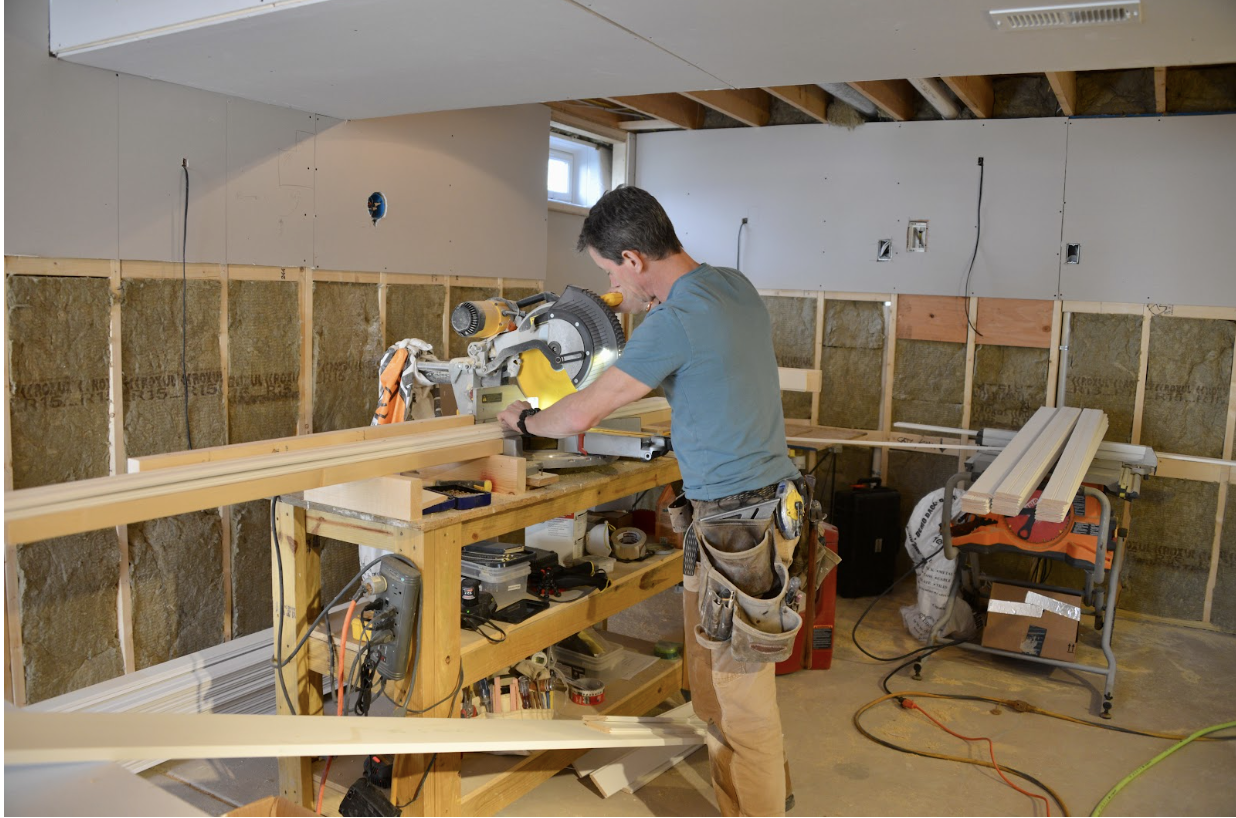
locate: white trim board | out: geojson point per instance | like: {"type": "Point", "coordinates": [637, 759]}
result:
{"type": "Point", "coordinates": [44, 738]}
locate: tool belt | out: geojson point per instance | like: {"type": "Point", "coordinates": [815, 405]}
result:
{"type": "Point", "coordinates": [744, 582]}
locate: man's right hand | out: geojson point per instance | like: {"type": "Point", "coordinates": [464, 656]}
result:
{"type": "Point", "coordinates": [509, 417]}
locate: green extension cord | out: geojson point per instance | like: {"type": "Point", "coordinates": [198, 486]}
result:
{"type": "Point", "coordinates": [1098, 810]}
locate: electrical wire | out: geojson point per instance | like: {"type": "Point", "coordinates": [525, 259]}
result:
{"type": "Point", "coordinates": [991, 750]}
{"type": "Point", "coordinates": [475, 623]}
{"type": "Point", "coordinates": [280, 661]}
{"type": "Point", "coordinates": [184, 305]}
{"type": "Point", "coordinates": [857, 720]}
{"type": "Point", "coordinates": [978, 231]}
{"type": "Point", "coordinates": [926, 649]}
{"type": "Point", "coordinates": [1098, 810]}
{"type": "Point", "coordinates": [738, 252]}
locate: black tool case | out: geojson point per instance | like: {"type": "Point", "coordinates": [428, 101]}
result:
{"type": "Point", "coordinates": [868, 520]}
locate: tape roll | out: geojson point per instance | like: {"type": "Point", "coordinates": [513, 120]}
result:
{"type": "Point", "coordinates": [628, 543]}
{"type": "Point", "coordinates": [597, 543]}
{"type": "Point", "coordinates": [588, 691]}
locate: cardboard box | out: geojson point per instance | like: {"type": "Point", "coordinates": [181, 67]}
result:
{"type": "Point", "coordinates": [1033, 621]}
{"type": "Point", "coordinates": [272, 805]}
{"type": "Point", "coordinates": [564, 535]}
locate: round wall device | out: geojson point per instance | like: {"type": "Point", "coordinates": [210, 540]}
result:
{"type": "Point", "coordinates": [377, 206]}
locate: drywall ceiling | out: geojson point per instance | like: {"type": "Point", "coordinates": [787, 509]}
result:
{"type": "Point", "coordinates": [367, 58]}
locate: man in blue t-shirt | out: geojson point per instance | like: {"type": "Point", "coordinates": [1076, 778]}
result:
{"type": "Point", "coordinates": [707, 340]}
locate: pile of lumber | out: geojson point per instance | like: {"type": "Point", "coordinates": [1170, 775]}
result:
{"type": "Point", "coordinates": [234, 677]}
{"type": "Point", "coordinates": [625, 769]}
{"type": "Point", "coordinates": [1066, 439]}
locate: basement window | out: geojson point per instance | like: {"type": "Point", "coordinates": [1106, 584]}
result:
{"type": "Point", "coordinates": [574, 173]}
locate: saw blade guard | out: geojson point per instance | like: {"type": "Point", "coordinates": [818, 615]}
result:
{"type": "Point", "coordinates": [563, 345]}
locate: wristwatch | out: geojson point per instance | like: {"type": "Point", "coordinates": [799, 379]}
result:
{"type": "Point", "coordinates": [523, 417]}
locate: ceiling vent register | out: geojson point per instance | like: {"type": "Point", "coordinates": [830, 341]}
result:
{"type": "Point", "coordinates": [1037, 18]}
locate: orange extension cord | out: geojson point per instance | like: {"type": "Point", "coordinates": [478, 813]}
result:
{"type": "Point", "coordinates": [991, 749]}
{"type": "Point", "coordinates": [343, 655]}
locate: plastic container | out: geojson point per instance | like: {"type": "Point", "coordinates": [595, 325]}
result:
{"type": "Point", "coordinates": [506, 585]}
{"type": "Point", "coordinates": [577, 665]}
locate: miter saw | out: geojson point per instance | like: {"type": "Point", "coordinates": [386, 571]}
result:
{"type": "Point", "coordinates": [541, 349]}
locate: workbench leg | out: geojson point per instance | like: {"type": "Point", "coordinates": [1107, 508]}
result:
{"type": "Point", "coordinates": [437, 677]}
{"type": "Point", "coordinates": [302, 602]}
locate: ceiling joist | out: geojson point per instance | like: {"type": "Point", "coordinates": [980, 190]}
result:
{"type": "Point", "coordinates": [810, 99]}
{"type": "Point", "coordinates": [1064, 83]}
{"type": "Point", "coordinates": [750, 106]}
{"type": "Point", "coordinates": [975, 92]}
{"type": "Point", "coordinates": [672, 108]}
{"type": "Point", "coordinates": [588, 117]}
{"type": "Point", "coordinates": [893, 97]}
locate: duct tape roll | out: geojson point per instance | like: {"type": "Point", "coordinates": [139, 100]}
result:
{"type": "Point", "coordinates": [597, 541]}
{"type": "Point", "coordinates": [628, 543]}
{"type": "Point", "coordinates": [588, 691]}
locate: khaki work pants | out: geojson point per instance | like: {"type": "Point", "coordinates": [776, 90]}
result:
{"type": "Point", "coordinates": [738, 701]}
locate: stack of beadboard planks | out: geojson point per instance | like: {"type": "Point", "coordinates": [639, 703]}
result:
{"type": "Point", "coordinates": [234, 677]}
{"type": "Point", "coordinates": [1058, 494]}
{"type": "Point", "coordinates": [1068, 435]}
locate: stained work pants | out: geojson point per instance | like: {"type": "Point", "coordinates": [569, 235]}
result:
{"type": "Point", "coordinates": [735, 697]}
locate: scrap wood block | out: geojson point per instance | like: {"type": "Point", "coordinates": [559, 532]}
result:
{"type": "Point", "coordinates": [397, 496]}
{"type": "Point", "coordinates": [509, 475]}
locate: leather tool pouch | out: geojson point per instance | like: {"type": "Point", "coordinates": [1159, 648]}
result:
{"type": "Point", "coordinates": [743, 585]}
{"type": "Point", "coordinates": [679, 514]}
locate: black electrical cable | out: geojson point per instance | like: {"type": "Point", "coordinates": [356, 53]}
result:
{"type": "Point", "coordinates": [428, 768]}
{"type": "Point", "coordinates": [476, 623]}
{"type": "Point", "coordinates": [884, 593]}
{"type": "Point", "coordinates": [279, 635]}
{"type": "Point", "coordinates": [184, 305]}
{"type": "Point", "coordinates": [978, 231]}
{"type": "Point", "coordinates": [738, 252]}
{"type": "Point", "coordinates": [857, 720]}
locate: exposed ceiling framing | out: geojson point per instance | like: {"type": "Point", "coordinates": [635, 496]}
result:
{"type": "Point", "coordinates": [918, 98]}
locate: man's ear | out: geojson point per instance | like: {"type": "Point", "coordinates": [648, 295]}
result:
{"type": "Point", "coordinates": [635, 259]}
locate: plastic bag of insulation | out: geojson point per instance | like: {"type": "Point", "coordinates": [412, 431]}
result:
{"type": "Point", "coordinates": [934, 574]}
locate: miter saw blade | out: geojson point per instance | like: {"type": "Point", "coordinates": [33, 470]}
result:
{"type": "Point", "coordinates": [583, 334]}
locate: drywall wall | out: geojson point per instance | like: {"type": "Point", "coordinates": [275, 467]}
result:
{"type": "Point", "coordinates": [1150, 200]}
{"type": "Point", "coordinates": [565, 265]}
{"type": "Point", "coordinates": [818, 199]}
{"type": "Point", "coordinates": [102, 152]}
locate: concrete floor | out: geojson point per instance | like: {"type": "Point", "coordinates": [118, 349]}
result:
{"type": "Point", "coordinates": [1171, 679]}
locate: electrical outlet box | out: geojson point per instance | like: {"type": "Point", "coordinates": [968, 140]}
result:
{"type": "Point", "coordinates": [916, 236]}
{"type": "Point", "coordinates": [403, 591]}
{"type": "Point", "coordinates": [884, 250]}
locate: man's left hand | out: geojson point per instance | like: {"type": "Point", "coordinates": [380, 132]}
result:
{"type": "Point", "coordinates": [509, 417]}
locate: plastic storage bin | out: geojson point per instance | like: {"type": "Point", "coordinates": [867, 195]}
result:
{"type": "Point", "coordinates": [506, 585]}
{"type": "Point", "coordinates": [576, 665]}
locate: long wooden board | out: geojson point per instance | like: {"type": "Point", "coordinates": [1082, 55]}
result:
{"type": "Point", "coordinates": [53, 511]}
{"type": "Point", "coordinates": [296, 443]}
{"type": "Point", "coordinates": [1058, 494]}
{"type": "Point", "coordinates": [46, 738]}
{"type": "Point", "coordinates": [1017, 486]}
{"type": "Point", "coordinates": [978, 499]}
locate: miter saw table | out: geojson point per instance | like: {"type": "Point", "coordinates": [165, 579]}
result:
{"type": "Point", "coordinates": [1086, 540]}
{"type": "Point", "coordinates": [541, 349]}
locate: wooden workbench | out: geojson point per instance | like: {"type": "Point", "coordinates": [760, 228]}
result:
{"type": "Point", "coordinates": [433, 544]}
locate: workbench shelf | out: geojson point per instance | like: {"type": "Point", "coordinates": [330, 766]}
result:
{"type": "Point", "coordinates": [434, 544]}
{"type": "Point", "coordinates": [488, 783]}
